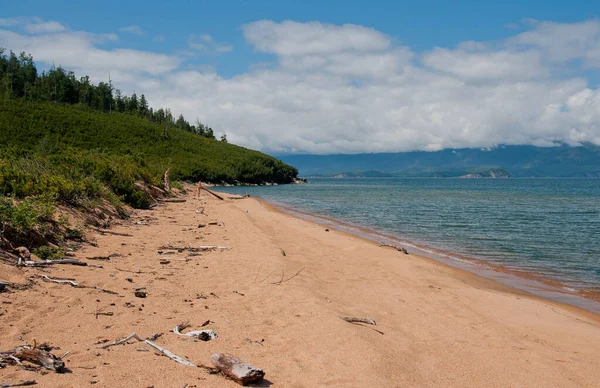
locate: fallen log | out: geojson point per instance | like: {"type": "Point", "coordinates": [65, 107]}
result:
{"type": "Point", "coordinates": [44, 263]}
{"type": "Point", "coordinates": [368, 321]}
{"type": "Point", "coordinates": [236, 369]}
{"type": "Point", "coordinates": [21, 383]}
{"type": "Point", "coordinates": [399, 249]}
{"type": "Point", "coordinates": [213, 193]}
{"type": "Point", "coordinates": [203, 335]}
{"type": "Point", "coordinates": [173, 200]}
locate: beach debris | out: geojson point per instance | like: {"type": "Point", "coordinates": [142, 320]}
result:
{"type": "Point", "coordinates": [201, 225]}
{"type": "Point", "coordinates": [139, 293]}
{"type": "Point", "coordinates": [202, 335]}
{"type": "Point", "coordinates": [359, 321]}
{"type": "Point", "coordinates": [290, 278]}
{"type": "Point", "coordinates": [21, 383]}
{"type": "Point", "coordinates": [43, 263]}
{"type": "Point", "coordinates": [399, 249]}
{"type": "Point", "coordinates": [164, 262]}
{"type": "Point", "coordinates": [36, 355]}
{"type": "Point", "coordinates": [194, 249]}
{"type": "Point", "coordinates": [173, 200]}
{"type": "Point", "coordinates": [236, 369]}
{"type": "Point", "coordinates": [255, 341]}
{"type": "Point", "coordinates": [283, 253]}
{"type": "Point", "coordinates": [201, 211]}
{"type": "Point", "coordinates": [213, 193]}
{"type": "Point", "coordinates": [239, 293]}
{"type": "Point", "coordinates": [369, 321]}
{"type": "Point", "coordinates": [151, 344]}
{"type": "Point", "coordinates": [104, 258]}
{"type": "Point", "coordinates": [327, 230]}
{"type": "Point", "coordinates": [3, 286]}
{"type": "Point", "coordinates": [104, 231]}
{"type": "Point", "coordinates": [73, 283]}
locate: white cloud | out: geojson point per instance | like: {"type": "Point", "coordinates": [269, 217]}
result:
{"type": "Point", "coordinates": [354, 89]}
{"type": "Point", "coordinates": [293, 38]}
{"type": "Point", "coordinates": [135, 30]}
{"type": "Point", "coordinates": [159, 38]}
{"type": "Point", "coordinates": [207, 45]}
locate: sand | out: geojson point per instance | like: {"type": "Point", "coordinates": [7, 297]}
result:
{"type": "Point", "coordinates": [442, 326]}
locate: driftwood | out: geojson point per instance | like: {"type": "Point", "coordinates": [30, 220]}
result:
{"type": "Point", "coordinates": [236, 369]}
{"type": "Point", "coordinates": [399, 249]}
{"type": "Point", "coordinates": [192, 249]}
{"type": "Point", "coordinates": [45, 263]}
{"type": "Point", "coordinates": [213, 193]}
{"type": "Point", "coordinates": [9, 257]}
{"type": "Point", "coordinates": [368, 321]}
{"type": "Point", "coordinates": [358, 321]}
{"type": "Point", "coordinates": [21, 383]}
{"type": "Point", "coordinates": [167, 182]}
{"type": "Point", "coordinates": [151, 344]}
{"type": "Point", "coordinates": [174, 200]}
{"type": "Point", "coordinates": [35, 355]}
{"type": "Point", "coordinates": [103, 231]}
{"type": "Point", "coordinates": [203, 335]}
{"type": "Point", "coordinates": [75, 284]}
{"type": "Point", "coordinates": [3, 286]}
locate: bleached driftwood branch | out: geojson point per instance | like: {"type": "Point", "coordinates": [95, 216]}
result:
{"type": "Point", "coordinates": [44, 263]}
{"type": "Point", "coordinates": [36, 356]}
{"type": "Point", "coordinates": [164, 351]}
{"type": "Point", "coordinates": [75, 284]}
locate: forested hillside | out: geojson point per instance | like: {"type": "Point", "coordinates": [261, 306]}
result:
{"type": "Point", "coordinates": [66, 141]}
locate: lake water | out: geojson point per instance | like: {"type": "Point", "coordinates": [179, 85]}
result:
{"type": "Point", "coordinates": [545, 230]}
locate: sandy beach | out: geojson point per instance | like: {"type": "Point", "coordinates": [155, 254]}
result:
{"type": "Point", "coordinates": [275, 298]}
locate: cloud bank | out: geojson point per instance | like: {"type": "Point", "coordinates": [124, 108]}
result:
{"type": "Point", "coordinates": [350, 88]}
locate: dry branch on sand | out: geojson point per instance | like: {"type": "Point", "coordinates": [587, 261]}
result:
{"type": "Point", "coordinates": [213, 193]}
{"type": "Point", "coordinates": [290, 278]}
{"type": "Point", "coordinates": [45, 263]}
{"type": "Point", "coordinates": [369, 321]}
{"type": "Point", "coordinates": [74, 284]}
{"type": "Point", "coordinates": [173, 200]}
{"type": "Point", "coordinates": [193, 249]}
{"type": "Point", "coordinates": [151, 344]}
{"type": "Point", "coordinates": [104, 231]}
{"type": "Point", "coordinates": [167, 182]}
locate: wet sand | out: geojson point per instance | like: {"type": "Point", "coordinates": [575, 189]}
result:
{"type": "Point", "coordinates": [442, 326]}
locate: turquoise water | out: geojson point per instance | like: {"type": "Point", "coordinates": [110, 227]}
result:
{"type": "Point", "coordinates": [546, 227]}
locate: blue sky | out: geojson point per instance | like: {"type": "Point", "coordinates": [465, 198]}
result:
{"type": "Point", "coordinates": [286, 76]}
{"type": "Point", "coordinates": [419, 24]}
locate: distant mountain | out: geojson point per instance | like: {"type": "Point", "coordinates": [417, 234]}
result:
{"type": "Point", "coordinates": [516, 161]}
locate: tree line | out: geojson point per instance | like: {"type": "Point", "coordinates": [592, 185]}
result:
{"type": "Point", "coordinates": [20, 79]}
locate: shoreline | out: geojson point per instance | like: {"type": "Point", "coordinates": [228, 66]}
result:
{"type": "Point", "coordinates": [506, 281]}
{"type": "Point", "coordinates": [521, 280]}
